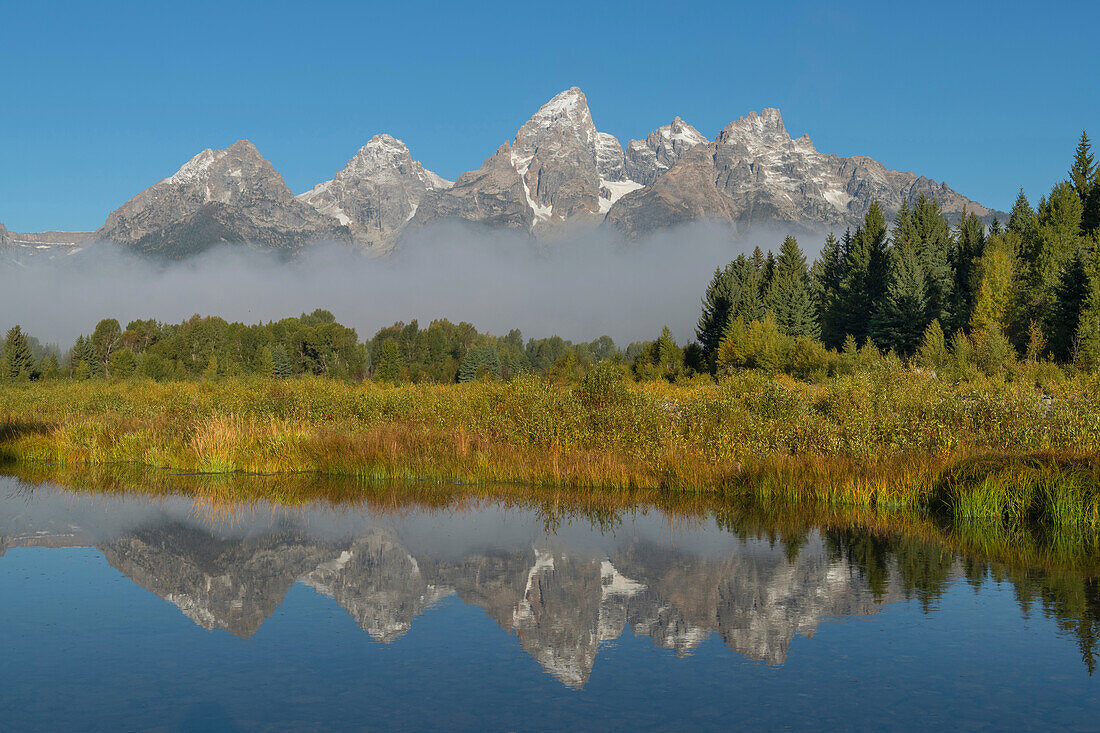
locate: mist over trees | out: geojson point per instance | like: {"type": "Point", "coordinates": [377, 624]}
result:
{"type": "Point", "coordinates": [917, 291]}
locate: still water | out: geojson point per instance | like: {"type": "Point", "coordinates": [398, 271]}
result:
{"type": "Point", "coordinates": [129, 613]}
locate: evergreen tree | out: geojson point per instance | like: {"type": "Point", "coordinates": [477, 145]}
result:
{"type": "Point", "coordinates": [1082, 173]}
{"type": "Point", "coordinates": [746, 290]}
{"type": "Point", "coordinates": [479, 362]}
{"type": "Point", "coordinates": [992, 351]}
{"type": "Point", "coordinates": [767, 273]}
{"type": "Point", "coordinates": [899, 321]}
{"type": "Point", "coordinates": [1064, 318]}
{"type": "Point", "coordinates": [280, 362]}
{"type": "Point", "coordinates": [969, 246]}
{"type": "Point", "coordinates": [83, 353]}
{"type": "Point", "coordinates": [1088, 326]}
{"type": "Point", "coordinates": [1022, 218]}
{"type": "Point", "coordinates": [789, 296]}
{"type": "Point", "coordinates": [932, 234]}
{"type": "Point", "coordinates": [734, 291]}
{"type": "Point", "coordinates": [123, 363]}
{"type": "Point", "coordinates": [1045, 256]}
{"type": "Point", "coordinates": [759, 261]}
{"type": "Point", "coordinates": [1085, 176]}
{"type": "Point", "coordinates": [933, 352]}
{"type": "Point", "coordinates": [862, 283]}
{"type": "Point", "coordinates": [1090, 217]}
{"type": "Point", "coordinates": [389, 367]}
{"type": "Point", "coordinates": [828, 274]}
{"type": "Point", "coordinates": [716, 308]}
{"type": "Point", "coordinates": [48, 367]}
{"type": "Point", "coordinates": [670, 357]}
{"type": "Point", "coordinates": [1059, 227]}
{"type": "Point", "coordinates": [18, 358]}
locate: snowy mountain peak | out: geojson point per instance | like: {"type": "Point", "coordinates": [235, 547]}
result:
{"type": "Point", "coordinates": [229, 195]}
{"type": "Point", "coordinates": [765, 127]}
{"type": "Point", "coordinates": [570, 104]}
{"type": "Point", "coordinates": [683, 132]}
{"type": "Point", "coordinates": [647, 159]}
{"type": "Point", "coordinates": [376, 193]}
{"type": "Point", "coordinates": [558, 168]}
{"type": "Point", "coordinates": [196, 167]}
{"type": "Point", "coordinates": [565, 116]}
{"type": "Point", "coordinates": [380, 151]}
{"type": "Point", "coordinates": [199, 167]}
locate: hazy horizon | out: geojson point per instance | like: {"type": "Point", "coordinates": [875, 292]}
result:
{"type": "Point", "coordinates": [581, 286]}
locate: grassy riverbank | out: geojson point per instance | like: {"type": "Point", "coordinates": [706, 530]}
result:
{"type": "Point", "coordinates": [892, 439]}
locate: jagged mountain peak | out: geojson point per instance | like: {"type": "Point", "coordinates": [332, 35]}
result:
{"type": "Point", "coordinates": [376, 193]}
{"type": "Point", "coordinates": [383, 152]}
{"type": "Point", "coordinates": [228, 195]}
{"type": "Point", "coordinates": [380, 151]}
{"type": "Point", "coordinates": [754, 173]}
{"type": "Point", "coordinates": [681, 131]}
{"type": "Point", "coordinates": [757, 130]}
{"type": "Point", "coordinates": [570, 105]}
{"type": "Point", "coordinates": [565, 116]}
{"type": "Point", "coordinates": [662, 148]}
{"type": "Point", "coordinates": [558, 168]}
{"type": "Point", "coordinates": [200, 167]}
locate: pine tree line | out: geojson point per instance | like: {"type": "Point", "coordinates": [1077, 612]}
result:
{"type": "Point", "coordinates": [1033, 283]}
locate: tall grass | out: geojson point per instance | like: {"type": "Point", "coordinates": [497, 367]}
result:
{"type": "Point", "coordinates": [892, 439]}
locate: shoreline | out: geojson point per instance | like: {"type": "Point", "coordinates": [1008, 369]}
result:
{"type": "Point", "coordinates": [893, 441]}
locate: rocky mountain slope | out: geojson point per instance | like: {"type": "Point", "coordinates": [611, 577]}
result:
{"type": "Point", "coordinates": [20, 247]}
{"type": "Point", "coordinates": [754, 173]}
{"type": "Point", "coordinates": [662, 148]}
{"type": "Point", "coordinates": [557, 170]}
{"type": "Point", "coordinates": [230, 195]}
{"type": "Point", "coordinates": [376, 193]}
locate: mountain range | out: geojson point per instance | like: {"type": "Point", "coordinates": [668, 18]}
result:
{"type": "Point", "coordinates": [562, 602]}
{"type": "Point", "coordinates": [558, 172]}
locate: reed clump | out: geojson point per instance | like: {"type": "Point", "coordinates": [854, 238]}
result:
{"type": "Point", "coordinates": [898, 439]}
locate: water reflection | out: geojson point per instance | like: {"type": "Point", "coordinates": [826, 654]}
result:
{"type": "Point", "coordinates": [562, 585]}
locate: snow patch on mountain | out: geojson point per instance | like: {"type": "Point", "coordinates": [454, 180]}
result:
{"type": "Point", "coordinates": [196, 167]}
{"type": "Point", "coordinates": [614, 191]}
{"type": "Point", "coordinates": [522, 165]}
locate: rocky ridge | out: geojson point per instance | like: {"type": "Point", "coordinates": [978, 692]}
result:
{"type": "Point", "coordinates": [19, 247]}
{"type": "Point", "coordinates": [755, 173]}
{"type": "Point", "coordinates": [557, 170]}
{"type": "Point", "coordinates": [233, 195]}
{"type": "Point", "coordinates": [377, 193]}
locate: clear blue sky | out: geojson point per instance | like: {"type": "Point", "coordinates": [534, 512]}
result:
{"type": "Point", "coordinates": [100, 100]}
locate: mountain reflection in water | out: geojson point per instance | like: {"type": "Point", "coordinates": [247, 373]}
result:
{"type": "Point", "coordinates": [481, 606]}
{"type": "Point", "coordinates": [561, 595]}
{"type": "Point", "coordinates": [562, 589]}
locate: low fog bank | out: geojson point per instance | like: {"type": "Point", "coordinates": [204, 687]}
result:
{"type": "Point", "coordinates": [579, 286]}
